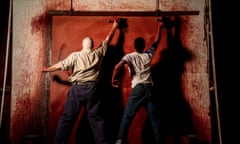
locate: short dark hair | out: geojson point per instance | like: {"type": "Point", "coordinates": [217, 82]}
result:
{"type": "Point", "coordinates": [139, 44]}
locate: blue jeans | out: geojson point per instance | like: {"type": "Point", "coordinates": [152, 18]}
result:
{"type": "Point", "coordinates": [141, 95]}
{"type": "Point", "coordinates": [78, 96]}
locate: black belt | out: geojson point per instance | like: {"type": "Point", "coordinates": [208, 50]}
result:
{"type": "Point", "coordinates": [83, 83]}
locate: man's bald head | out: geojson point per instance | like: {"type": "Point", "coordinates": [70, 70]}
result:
{"type": "Point", "coordinates": [87, 43]}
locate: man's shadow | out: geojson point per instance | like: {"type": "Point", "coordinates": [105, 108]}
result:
{"type": "Point", "coordinates": [111, 97]}
{"type": "Point", "coordinates": [174, 112]}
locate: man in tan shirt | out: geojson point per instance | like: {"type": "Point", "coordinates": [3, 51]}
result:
{"type": "Point", "coordinates": [85, 65]}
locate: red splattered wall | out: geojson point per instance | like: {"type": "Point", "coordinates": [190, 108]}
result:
{"type": "Point", "coordinates": [67, 33]}
{"type": "Point", "coordinates": [179, 76]}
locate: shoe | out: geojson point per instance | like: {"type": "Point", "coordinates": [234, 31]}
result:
{"type": "Point", "coordinates": [119, 141]}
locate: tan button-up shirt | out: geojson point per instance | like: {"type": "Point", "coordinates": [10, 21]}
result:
{"type": "Point", "coordinates": [85, 64]}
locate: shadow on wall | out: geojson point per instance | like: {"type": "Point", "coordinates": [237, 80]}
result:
{"type": "Point", "coordinates": [112, 106]}
{"type": "Point", "coordinates": [175, 112]}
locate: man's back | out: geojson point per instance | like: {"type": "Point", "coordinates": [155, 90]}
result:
{"type": "Point", "coordinates": [85, 64]}
{"type": "Point", "coordinates": [139, 66]}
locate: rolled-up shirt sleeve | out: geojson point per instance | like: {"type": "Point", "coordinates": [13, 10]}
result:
{"type": "Point", "coordinates": [151, 50]}
{"type": "Point", "coordinates": [102, 48]}
{"type": "Point", "coordinates": [68, 62]}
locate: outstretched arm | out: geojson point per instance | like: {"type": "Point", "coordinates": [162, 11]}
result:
{"type": "Point", "coordinates": [112, 31]}
{"type": "Point", "coordinates": [158, 36]}
{"type": "Point", "coordinates": [116, 70]}
{"type": "Point", "coordinates": [52, 68]}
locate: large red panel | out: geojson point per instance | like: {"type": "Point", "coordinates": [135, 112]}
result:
{"type": "Point", "coordinates": [67, 34]}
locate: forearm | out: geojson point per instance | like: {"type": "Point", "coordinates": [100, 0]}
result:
{"type": "Point", "coordinates": [110, 34]}
{"type": "Point", "coordinates": [115, 80]}
{"type": "Point", "coordinates": [115, 72]}
{"type": "Point", "coordinates": [158, 36]}
{"type": "Point", "coordinates": [112, 31]}
{"type": "Point", "coordinates": [117, 69]}
{"type": "Point", "coordinates": [52, 68]}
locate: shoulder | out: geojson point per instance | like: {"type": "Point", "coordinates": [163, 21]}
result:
{"type": "Point", "coordinates": [129, 56]}
{"type": "Point", "coordinates": [73, 55]}
{"type": "Point", "coordinates": [132, 53]}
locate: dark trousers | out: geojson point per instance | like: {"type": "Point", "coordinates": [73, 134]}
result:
{"type": "Point", "coordinates": [141, 95]}
{"type": "Point", "coordinates": [78, 96]}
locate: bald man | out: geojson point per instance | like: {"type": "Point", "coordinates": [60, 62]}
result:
{"type": "Point", "coordinates": [85, 65]}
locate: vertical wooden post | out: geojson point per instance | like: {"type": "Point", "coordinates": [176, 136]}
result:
{"type": "Point", "coordinates": [210, 45]}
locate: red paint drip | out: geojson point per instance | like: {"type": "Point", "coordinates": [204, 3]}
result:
{"type": "Point", "coordinates": [40, 22]}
